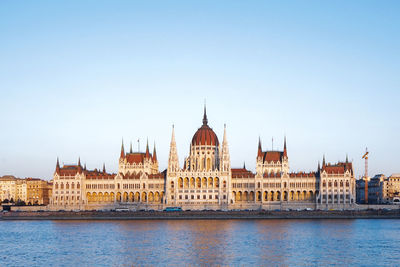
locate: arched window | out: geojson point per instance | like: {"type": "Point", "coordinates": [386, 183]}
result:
{"type": "Point", "coordinates": [347, 183]}
{"type": "Point", "coordinates": [67, 186]}
{"type": "Point", "coordinates": [172, 184]}
{"type": "Point", "coordinates": [72, 185]}
{"type": "Point", "coordinates": [324, 184]}
{"type": "Point", "coordinates": [62, 186]}
{"type": "Point", "coordinates": [335, 183]}
{"type": "Point", "coordinates": [56, 186]}
{"type": "Point", "coordinates": [78, 186]}
{"type": "Point", "coordinates": [216, 182]}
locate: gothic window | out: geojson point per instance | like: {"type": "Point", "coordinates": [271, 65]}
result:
{"type": "Point", "coordinates": [216, 182]}
{"type": "Point", "coordinates": [208, 164]}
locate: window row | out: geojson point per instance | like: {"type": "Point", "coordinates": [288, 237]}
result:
{"type": "Point", "coordinates": [67, 185]}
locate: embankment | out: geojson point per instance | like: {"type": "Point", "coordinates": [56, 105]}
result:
{"type": "Point", "coordinates": [200, 215]}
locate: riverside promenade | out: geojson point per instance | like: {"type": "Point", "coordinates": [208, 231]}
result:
{"type": "Point", "coordinates": [199, 215]}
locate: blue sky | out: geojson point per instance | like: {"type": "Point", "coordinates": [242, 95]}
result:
{"type": "Point", "coordinates": [77, 76]}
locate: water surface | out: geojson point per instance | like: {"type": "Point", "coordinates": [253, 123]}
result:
{"type": "Point", "coordinates": [200, 242]}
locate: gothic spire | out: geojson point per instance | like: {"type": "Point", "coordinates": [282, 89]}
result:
{"type": "Point", "coordinates": [154, 153]}
{"type": "Point", "coordinates": [147, 149]}
{"type": "Point", "coordinates": [323, 161]}
{"type": "Point", "coordinates": [79, 161]}
{"type": "Point", "coordinates": [259, 154]}
{"type": "Point", "coordinates": [173, 135]}
{"type": "Point", "coordinates": [225, 141]}
{"type": "Point", "coordinates": [57, 165]}
{"type": "Point", "coordinates": [104, 167]}
{"type": "Point", "coordinates": [225, 157]}
{"type": "Point", "coordinates": [173, 162]}
{"type": "Point", "coordinates": [284, 148]}
{"type": "Point", "coordinates": [205, 120]}
{"type": "Point", "coordinates": [122, 149]}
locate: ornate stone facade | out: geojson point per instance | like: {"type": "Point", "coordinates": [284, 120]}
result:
{"type": "Point", "coordinates": [205, 181]}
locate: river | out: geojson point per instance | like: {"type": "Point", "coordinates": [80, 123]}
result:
{"type": "Point", "coordinates": [200, 242]}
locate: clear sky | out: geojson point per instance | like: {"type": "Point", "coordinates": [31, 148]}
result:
{"type": "Point", "coordinates": [77, 76]}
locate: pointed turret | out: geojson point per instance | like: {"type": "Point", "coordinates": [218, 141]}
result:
{"type": "Point", "coordinates": [154, 153]}
{"type": "Point", "coordinates": [130, 149]}
{"type": "Point", "coordinates": [244, 165]}
{"type": "Point", "coordinates": [58, 165]}
{"type": "Point", "coordinates": [323, 161]}
{"type": "Point", "coordinates": [122, 150]}
{"type": "Point", "coordinates": [319, 167]}
{"type": "Point", "coordinates": [104, 167]}
{"type": "Point", "coordinates": [225, 159]}
{"type": "Point", "coordinates": [284, 148]}
{"type": "Point", "coordinates": [147, 150]}
{"type": "Point", "coordinates": [347, 158]}
{"type": "Point", "coordinates": [205, 120]}
{"type": "Point", "coordinates": [259, 153]}
{"type": "Point", "coordinates": [173, 162]}
{"type": "Point", "coordinates": [84, 167]}
{"type": "Point", "coordinates": [80, 169]}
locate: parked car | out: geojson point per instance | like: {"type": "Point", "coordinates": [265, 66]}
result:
{"type": "Point", "coordinates": [121, 209]}
{"type": "Point", "coordinates": [173, 209]}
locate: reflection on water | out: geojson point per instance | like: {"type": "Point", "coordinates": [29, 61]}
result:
{"type": "Point", "coordinates": [200, 242]}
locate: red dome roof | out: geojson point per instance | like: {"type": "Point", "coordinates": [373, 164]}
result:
{"type": "Point", "coordinates": [205, 136]}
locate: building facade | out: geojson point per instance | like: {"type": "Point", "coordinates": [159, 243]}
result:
{"type": "Point", "coordinates": [381, 189]}
{"type": "Point", "coordinates": [32, 191]}
{"type": "Point", "coordinates": [205, 181]}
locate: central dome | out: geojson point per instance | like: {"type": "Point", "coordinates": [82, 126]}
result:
{"type": "Point", "coordinates": [205, 136]}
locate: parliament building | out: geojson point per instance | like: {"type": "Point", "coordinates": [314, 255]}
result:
{"type": "Point", "coordinates": [206, 181]}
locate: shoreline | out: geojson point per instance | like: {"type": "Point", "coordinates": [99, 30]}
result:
{"type": "Point", "coordinates": [201, 215]}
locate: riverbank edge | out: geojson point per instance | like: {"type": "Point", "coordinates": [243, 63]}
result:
{"type": "Point", "coordinates": [193, 218]}
{"type": "Point", "coordinates": [243, 215]}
